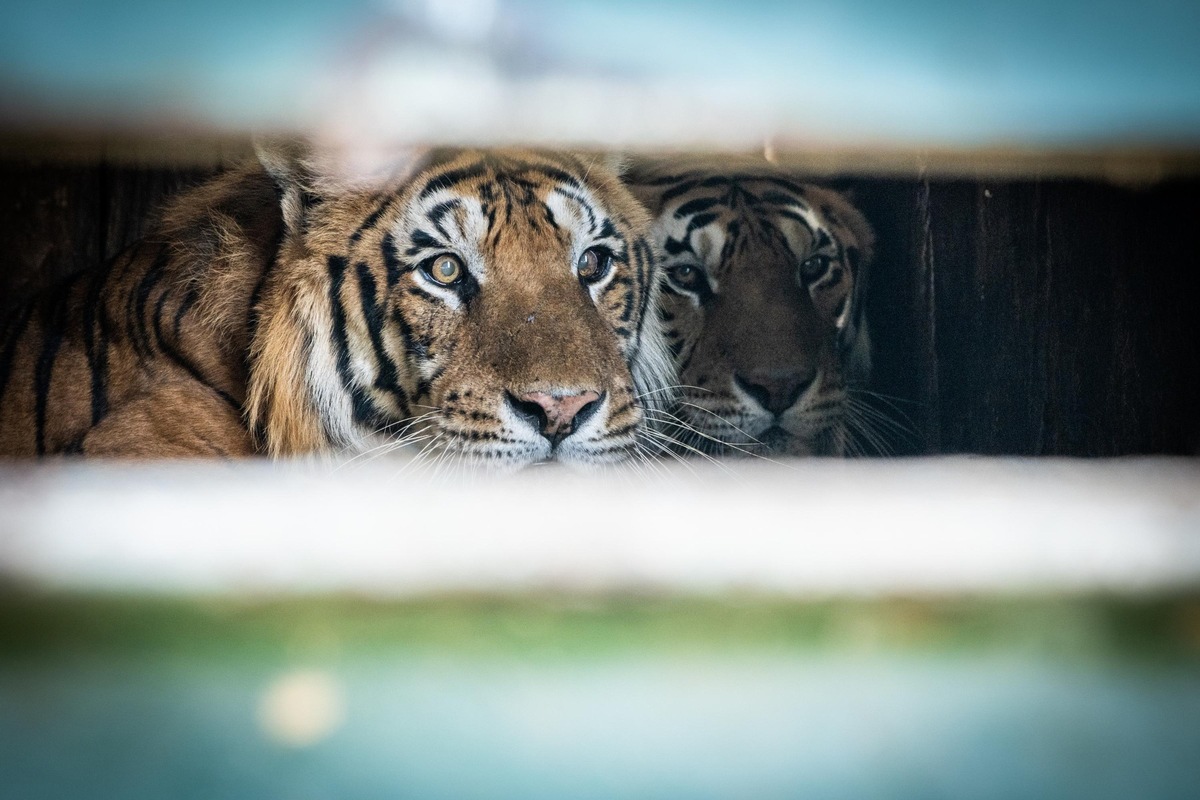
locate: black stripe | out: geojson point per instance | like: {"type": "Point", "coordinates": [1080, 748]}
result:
{"type": "Point", "coordinates": [95, 341]}
{"type": "Point", "coordinates": [373, 315]}
{"type": "Point", "coordinates": [699, 221]}
{"type": "Point", "coordinates": [439, 212]}
{"type": "Point", "coordinates": [584, 204]}
{"type": "Point", "coordinates": [630, 296]}
{"type": "Point", "coordinates": [676, 246]}
{"type": "Point", "coordinates": [391, 261]}
{"type": "Point", "coordinates": [136, 307]}
{"type": "Point", "coordinates": [372, 219]}
{"type": "Point", "coordinates": [624, 429]}
{"type": "Point", "coordinates": [676, 191]}
{"type": "Point", "coordinates": [727, 250]}
{"type": "Point", "coordinates": [422, 240]}
{"type": "Point", "coordinates": [859, 273]}
{"type": "Point", "coordinates": [791, 186]}
{"type": "Point", "coordinates": [449, 179]}
{"type": "Point", "coordinates": [794, 216]}
{"type": "Point", "coordinates": [665, 179]}
{"type": "Point", "coordinates": [645, 267]}
{"type": "Point", "coordinates": [54, 321]}
{"type": "Point", "coordinates": [189, 300]}
{"type": "Point", "coordinates": [548, 213]}
{"type": "Point", "coordinates": [168, 348]}
{"type": "Point", "coordinates": [628, 307]}
{"type": "Point", "coordinates": [555, 174]}
{"type": "Point", "coordinates": [489, 211]}
{"type": "Point", "coordinates": [12, 338]}
{"type": "Point", "coordinates": [364, 413]}
{"type": "Point", "coordinates": [696, 206]}
{"type": "Point", "coordinates": [616, 412]}
{"type": "Point", "coordinates": [412, 348]}
{"type": "Point", "coordinates": [779, 198]}
{"type": "Point", "coordinates": [750, 177]}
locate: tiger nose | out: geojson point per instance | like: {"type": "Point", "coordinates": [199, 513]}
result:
{"type": "Point", "coordinates": [775, 391]}
{"type": "Point", "coordinates": [557, 415]}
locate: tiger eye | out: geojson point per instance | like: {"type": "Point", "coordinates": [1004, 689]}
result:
{"type": "Point", "coordinates": [446, 269]}
{"type": "Point", "coordinates": [686, 275]}
{"type": "Point", "coordinates": [589, 265]}
{"type": "Point", "coordinates": [814, 267]}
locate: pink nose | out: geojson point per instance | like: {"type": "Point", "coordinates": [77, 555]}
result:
{"type": "Point", "coordinates": [558, 413]}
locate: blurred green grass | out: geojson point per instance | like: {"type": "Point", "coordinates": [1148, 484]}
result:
{"type": "Point", "coordinates": [54, 625]}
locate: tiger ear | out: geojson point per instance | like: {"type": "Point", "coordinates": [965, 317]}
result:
{"type": "Point", "coordinates": [286, 161]}
{"type": "Point", "coordinates": [636, 174]}
{"type": "Point", "coordinates": [615, 162]}
{"type": "Point", "coordinates": [611, 161]}
{"type": "Point", "coordinates": [307, 172]}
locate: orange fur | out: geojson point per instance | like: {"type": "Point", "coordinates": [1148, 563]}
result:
{"type": "Point", "coordinates": [284, 309]}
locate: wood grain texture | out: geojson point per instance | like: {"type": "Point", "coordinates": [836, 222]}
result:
{"type": "Point", "coordinates": [57, 219]}
{"type": "Point", "coordinates": [1037, 317]}
{"type": "Point", "coordinates": [49, 224]}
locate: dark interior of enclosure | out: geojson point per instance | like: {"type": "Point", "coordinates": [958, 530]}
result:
{"type": "Point", "coordinates": [1016, 316]}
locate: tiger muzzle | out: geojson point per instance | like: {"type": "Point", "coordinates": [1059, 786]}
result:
{"type": "Point", "coordinates": [557, 416]}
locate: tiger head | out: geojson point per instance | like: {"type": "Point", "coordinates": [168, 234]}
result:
{"type": "Point", "coordinates": [762, 305]}
{"type": "Point", "coordinates": [490, 307]}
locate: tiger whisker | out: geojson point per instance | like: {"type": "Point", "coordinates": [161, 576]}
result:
{"type": "Point", "coordinates": [739, 449]}
{"type": "Point", "coordinates": [671, 389]}
{"type": "Point", "coordinates": [677, 423]}
{"type": "Point", "coordinates": [716, 461]}
{"type": "Point", "coordinates": [862, 427]}
{"type": "Point", "coordinates": [905, 432]}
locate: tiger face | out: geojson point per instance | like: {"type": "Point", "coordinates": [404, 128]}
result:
{"type": "Point", "coordinates": [761, 303]}
{"type": "Point", "coordinates": [489, 307]}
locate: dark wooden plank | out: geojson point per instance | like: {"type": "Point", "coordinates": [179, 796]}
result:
{"type": "Point", "coordinates": [1065, 322]}
{"type": "Point", "coordinates": [50, 223]}
{"type": "Point", "coordinates": [948, 233]}
{"type": "Point", "coordinates": [1084, 364]}
{"type": "Point", "coordinates": [59, 219]}
{"type": "Point", "coordinates": [132, 197]}
{"type": "Point", "coordinates": [1147, 253]}
{"type": "Point", "coordinates": [900, 309]}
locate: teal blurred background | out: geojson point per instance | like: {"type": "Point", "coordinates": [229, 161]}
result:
{"type": "Point", "coordinates": [604, 697]}
{"type": "Point", "coordinates": [930, 72]}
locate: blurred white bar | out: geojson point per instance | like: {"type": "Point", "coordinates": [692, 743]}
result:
{"type": "Point", "coordinates": [804, 528]}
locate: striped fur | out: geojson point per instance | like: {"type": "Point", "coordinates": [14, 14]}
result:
{"type": "Point", "coordinates": [762, 304]}
{"type": "Point", "coordinates": [287, 311]}
{"type": "Point", "coordinates": [145, 357]}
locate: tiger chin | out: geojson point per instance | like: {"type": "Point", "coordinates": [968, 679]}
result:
{"type": "Point", "coordinates": [762, 305]}
{"type": "Point", "coordinates": [490, 307]}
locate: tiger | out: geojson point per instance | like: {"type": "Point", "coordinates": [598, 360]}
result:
{"type": "Point", "coordinates": [493, 306]}
{"type": "Point", "coordinates": [764, 279]}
